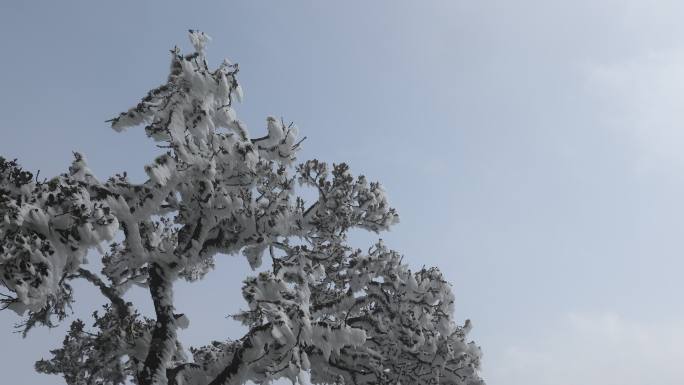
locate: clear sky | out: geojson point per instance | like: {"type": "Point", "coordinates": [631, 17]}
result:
{"type": "Point", "coordinates": [532, 148]}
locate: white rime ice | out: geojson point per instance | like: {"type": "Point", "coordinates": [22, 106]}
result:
{"type": "Point", "coordinates": [343, 315]}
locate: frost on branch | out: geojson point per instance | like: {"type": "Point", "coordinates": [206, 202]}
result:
{"type": "Point", "coordinates": [46, 229]}
{"type": "Point", "coordinates": [107, 356]}
{"type": "Point", "coordinates": [343, 315]}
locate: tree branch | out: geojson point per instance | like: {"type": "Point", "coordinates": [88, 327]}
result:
{"type": "Point", "coordinates": [109, 292]}
{"type": "Point", "coordinates": [238, 357]}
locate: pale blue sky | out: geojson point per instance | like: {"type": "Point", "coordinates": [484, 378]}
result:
{"type": "Point", "coordinates": [532, 148]}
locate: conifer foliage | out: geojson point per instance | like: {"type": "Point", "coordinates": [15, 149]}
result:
{"type": "Point", "coordinates": [342, 315]}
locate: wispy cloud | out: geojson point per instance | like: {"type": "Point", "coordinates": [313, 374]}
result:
{"type": "Point", "coordinates": [595, 349]}
{"type": "Point", "coordinates": [641, 99]}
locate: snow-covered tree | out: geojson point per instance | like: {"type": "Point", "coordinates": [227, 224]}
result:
{"type": "Point", "coordinates": [343, 315]}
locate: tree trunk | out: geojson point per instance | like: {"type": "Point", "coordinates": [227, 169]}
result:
{"type": "Point", "coordinates": [163, 341]}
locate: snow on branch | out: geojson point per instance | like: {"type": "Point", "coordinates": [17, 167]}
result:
{"type": "Point", "coordinates": [343, 315]}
